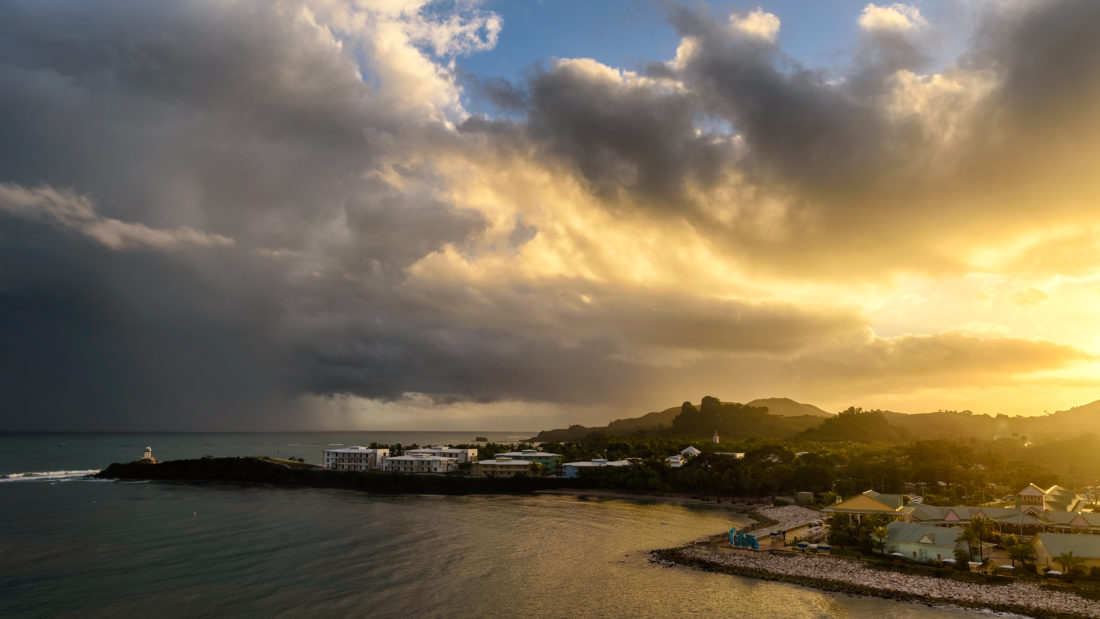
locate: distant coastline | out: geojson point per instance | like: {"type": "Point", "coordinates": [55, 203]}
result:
{"type": "Point", "coordinates": [255, 470]}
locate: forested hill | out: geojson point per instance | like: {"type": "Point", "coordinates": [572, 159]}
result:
{"type": "Point", "coordinates": [757, 419]}
{"type": "Point", "coordinates": [731, 420]}
{"type": "Point", "coordinates": [789, 408]}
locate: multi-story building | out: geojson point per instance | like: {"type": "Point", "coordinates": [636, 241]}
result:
{"type": "Point", "coordinates": [419, 463]}
{"type": "Point", "coordinates": [1055, 498]}
{"type": "Point", "coordinates": [500, 467]}
{"type": "Point", "coordinates": [355, 458]}
{"type": "Point", "coordinates": [460, 454]}
{"type": "Point", "coordinates": [547, 460]}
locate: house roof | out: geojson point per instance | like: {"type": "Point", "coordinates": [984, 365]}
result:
{"type": "Point", "coordinates": [506, 462]}
{"type": "Point", "coordinates": [1084, 546]}
{"type": "Point", "coordinates": [905, 532]}
{"type": "Point", "coordinates": [869, 502]}
{"type": "Point", "coordinates": [1077, 519]}
{"type": "Point", "coordinates": [1032, 490]}
{"type": "Point", "coordinates": [892, 500]}
{"type": "Point", "coordinates": [1006, 515]}
{"type": "Point", "coordinates": [599, 463]}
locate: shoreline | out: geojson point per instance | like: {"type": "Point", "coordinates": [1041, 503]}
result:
{"type": "Point", "coordinates": [853, 577]}
{"type": "Point", "coordinates": [746, 507]}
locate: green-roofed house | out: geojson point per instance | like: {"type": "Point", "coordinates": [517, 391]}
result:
{"type": "Point", "coordinates": [869, 503]}
{"type": "Point", "coordinates": [923, 543]}
{"type": "Point", "coordinates": [1049, 546]}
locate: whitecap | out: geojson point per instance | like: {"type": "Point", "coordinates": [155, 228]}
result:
{"type": "Point", "coordinates": [47, 475]}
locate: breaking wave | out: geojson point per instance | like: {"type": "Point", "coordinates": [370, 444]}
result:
{"type": "Point", "coordinates": [46, 475]}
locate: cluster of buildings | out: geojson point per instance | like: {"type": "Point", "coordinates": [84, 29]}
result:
{"type": "Point", "coordinates": [1052, 520]}
{"type": "Point", "coordinates": [442, 459]}
{"type": "Point", "coordinates": [427, 460]}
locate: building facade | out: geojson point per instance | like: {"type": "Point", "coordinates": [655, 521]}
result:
{"type": "Point", "coordinates": [500, 467]}
{"type": "Point", "coordinates": [461, 454]}
{"type": "Point", "coordinates": [922, 543]}
{"type": "Point", "coordinates": [355, 458]}
{"type": "Point", "coordinates": [419, 463]}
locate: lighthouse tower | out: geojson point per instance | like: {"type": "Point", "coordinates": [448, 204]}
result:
{"type": "Point", "coordinates": [148, 456]}
{"type": "Point", "coordinates": [715, 437]}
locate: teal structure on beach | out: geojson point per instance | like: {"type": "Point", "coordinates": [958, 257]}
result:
{"type": "Point", "coordinates": [743, 540]}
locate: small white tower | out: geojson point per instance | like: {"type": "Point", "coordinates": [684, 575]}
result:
{"type": "Point", "coordinates": [148, 455]}
{"type": "Point", "coordinates": [715, 438]}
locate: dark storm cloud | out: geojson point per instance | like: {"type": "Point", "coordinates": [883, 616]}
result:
{"type": "Point", "coordinates": [139, 138]}
{"type": "Point", "coordinates": [633, 137]}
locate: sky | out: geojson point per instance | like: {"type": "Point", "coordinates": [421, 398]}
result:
{"type": "Point", "coordinates": [335, 214]}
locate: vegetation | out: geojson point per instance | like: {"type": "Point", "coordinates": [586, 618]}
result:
{"type": "Point", "coordinates": [1071, 564]}
{"type": "Point", "coordinates": [844, 454]}
{"type": "Point", "coordinates": [1022, 552]}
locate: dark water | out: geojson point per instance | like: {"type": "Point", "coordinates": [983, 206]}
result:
{"type": "Point", "coordinates": [93, 548]}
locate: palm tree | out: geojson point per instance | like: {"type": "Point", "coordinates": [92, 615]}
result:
{"type": "Point", "coordinates": [974, 532]}
{"type": "Point", "coordinates": [1069, 562]}
{"type": "Point", "coordinates": [880, 539]}
{"type": "Point", "coordinates": [970, 537]}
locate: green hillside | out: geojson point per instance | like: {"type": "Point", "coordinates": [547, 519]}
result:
{"type": "Point", "coordinates": [789, 408]}
{"type": "Point", "coordinates": [783, 418]}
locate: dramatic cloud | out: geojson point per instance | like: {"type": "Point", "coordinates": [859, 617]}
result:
{"type": "Point", "coordinates": [78, 213]}
{"type": "Point", "coordinates": [282, 215]}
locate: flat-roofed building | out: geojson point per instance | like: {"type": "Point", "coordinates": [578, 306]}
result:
{"type": "Point", "coordinates": [500, 467]}
{"type": "Point", "coordinates": [354, 458]}
{"type": "Point", "coordinates": [460, 454]}
{"type": "Point", "coordinates": [419, 463]}
{"type": "Point", "coordinates": [571, 469]}
{"type": "Point", "coordinates": [548, 460]}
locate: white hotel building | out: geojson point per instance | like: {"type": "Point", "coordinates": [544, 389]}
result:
{"type": "Point", "coordinates": [419, 463]}
{"type": "Point", "coordinates": [462, 455]}
{"type": "Point", "coordinates": [355, 458]}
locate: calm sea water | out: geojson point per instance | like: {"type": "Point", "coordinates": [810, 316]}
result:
{"type": "Point", "coordinates": [72, 547]}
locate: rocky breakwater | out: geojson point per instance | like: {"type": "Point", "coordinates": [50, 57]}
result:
{"type": "Point", "coordinates": [853, 576]}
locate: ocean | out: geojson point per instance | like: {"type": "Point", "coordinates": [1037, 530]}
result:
{"type": "Point", "coordinates": [76, 547]}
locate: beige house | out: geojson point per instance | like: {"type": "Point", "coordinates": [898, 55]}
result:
{"type": "Point", "coordinates": [870, 503]}
{"type": "Point", "coordinates": [1049, 546]}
